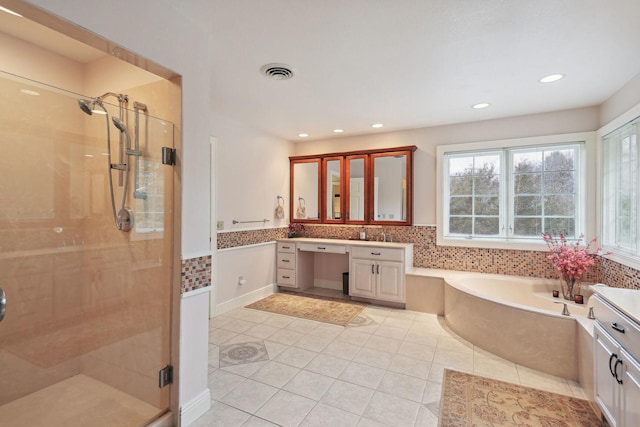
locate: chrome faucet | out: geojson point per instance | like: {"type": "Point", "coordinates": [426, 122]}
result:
{"type": "Point", "coordinates": [565, 310]}
{"type": "Point", "coordinates": [384, 237]}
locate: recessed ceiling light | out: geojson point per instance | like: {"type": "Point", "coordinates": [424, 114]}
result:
{"type": "Point", "coordinates": [480, 106]}
{"type": "Point", "coordinates": [377, 125]}
{"type": "Point", "coordinates": [551, 78]}
{"type": "Point", "coordinates": [29, 92]}
{"type": "Point", "coordinates": [9, 11]}
{"type": "Point", "coordinates": [303, 135]}
{"type": "Point", "coordinates": [338, 130]}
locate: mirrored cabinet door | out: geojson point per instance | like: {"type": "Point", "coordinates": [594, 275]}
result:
{"type": "Point", "coordinates": [391, 181]}
{"type": "Point", "coordinates": [332, 190]}
{"type": "Point", "coordinates": [356, 189]}
{"type": "Point", "coordinates": [305, 191]}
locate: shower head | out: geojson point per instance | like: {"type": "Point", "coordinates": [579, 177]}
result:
{"type": "Point", "coordinates": [85, 105]}
{"type": "Point", "coordinates": [92, 106]}
{"type": "Point", "coordinates": [117, 122]}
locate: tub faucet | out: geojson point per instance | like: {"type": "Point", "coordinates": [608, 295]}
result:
{"type": "Point", "coordinates": [565, 310]}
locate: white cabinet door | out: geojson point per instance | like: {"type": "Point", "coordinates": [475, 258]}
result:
{"type": "Point", "coordinates": [362, 281]}
{"type": "Point", "coordinates": [630, 411]}
{"type": "Point", "coordinates": [389, 283]}
{"type": "Point", "coordinates": [606, 386]}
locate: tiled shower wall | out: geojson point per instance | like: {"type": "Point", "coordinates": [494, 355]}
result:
{"type": "Point", "coordinates": [427, 254]}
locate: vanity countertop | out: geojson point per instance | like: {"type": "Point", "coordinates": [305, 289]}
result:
{"type": "Point", "coordinates": [364, 243]}
{"type": "Point", "coordinates": [625, 300]}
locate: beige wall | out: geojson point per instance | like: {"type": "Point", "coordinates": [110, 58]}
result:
{"type": "Point", "coordinates": [627, 97]}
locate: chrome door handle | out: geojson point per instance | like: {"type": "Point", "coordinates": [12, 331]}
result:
{"type": "Point", "coordinates": [3, 303]}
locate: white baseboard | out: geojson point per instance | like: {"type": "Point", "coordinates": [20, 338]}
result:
{"type": "Point", "coordinates": [195, 408]}
{"type": "Point", "coordinates": [245, 299]}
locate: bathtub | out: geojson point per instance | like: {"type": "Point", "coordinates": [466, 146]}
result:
{"type": "Point", "coordinates": [515, 318]}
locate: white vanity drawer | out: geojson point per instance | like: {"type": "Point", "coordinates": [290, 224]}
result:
{"type": "Point", "coordinates": [619, 326]}
{"type": "Point", "coordinates": [387, 254]}
{"type": "Point", "coordinates": [286, 260]}
{"type": "Point", "coordinates": [321, 247]}
{"type": "Point", "coordinates": [286, 277]}
{"type": "Point", "coordinates": [286, 247]}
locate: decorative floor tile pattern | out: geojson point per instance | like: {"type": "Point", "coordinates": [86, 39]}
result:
{"type": "Point", "coordinates": [352, 377]}
{"type": "Point", "coordinates": [240, 353]}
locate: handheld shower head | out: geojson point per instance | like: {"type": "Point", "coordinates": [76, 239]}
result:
{"type": "Point", "coordinates": [117, 122]}
{"type": "Point", "coordinates": [85, 105]}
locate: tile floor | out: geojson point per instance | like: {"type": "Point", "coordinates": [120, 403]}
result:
{"type": "Point", "coordinates": [385, 371]}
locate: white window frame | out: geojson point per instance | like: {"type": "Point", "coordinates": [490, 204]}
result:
{"type": "Point", "coordinates": [585, 218]}
{"type": "Point", "coordinates": [615, 253]}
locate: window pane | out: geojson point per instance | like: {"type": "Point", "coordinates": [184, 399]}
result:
{"type": "Point", "coordinates": [487, 206]}
{"type": "Point", "coordinates": [460, 225]}
{"type": "Point", "coordinates": [527, 205]}
{"type": "Point", "coordinates": [527, 161]}
{"type": "Point", "coordinates": [460, 185]}
{"type": "Point", "coordinates": [487, 164]}
{"type": "Point", "coordinates": [559, 160]}
{"type": "Point", "coordinates": [460, 206]}
{"type": "Point", "coordinates": [560, 225]}
{"type": "Point", "coordinates": [487, 184]}
{"type": "Point", "coordinates": [559, 205]}
{"type": "Point", "coordinates": [559, 182]}
{"type": "Point", "coordinates": [487, 226]}
{"type": "Point", "coordinates": [529, 183]}
{"type": "Point", "coordinates": [527, 226]}
{"type": "Point", "coordinates": [460, 165]}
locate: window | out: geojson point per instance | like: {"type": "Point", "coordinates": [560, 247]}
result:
{"type": "Point", "coordinates": [620, 219]}
{"type": "Point", "coordinates": [511, 194]}
{"type": "Point", "coordinates": [149, 199]}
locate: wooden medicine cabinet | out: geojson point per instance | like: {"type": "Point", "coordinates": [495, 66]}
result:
{"type": "Point", "coordinates": [357, 187]}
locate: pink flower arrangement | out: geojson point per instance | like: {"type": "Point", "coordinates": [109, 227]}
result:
{"type": "Point", "coordinates": [296, 227]}
{"type": "Point", "coordinates": [571, 259]}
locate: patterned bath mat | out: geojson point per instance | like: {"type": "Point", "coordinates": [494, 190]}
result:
{"type": "Point", "coordinates": [312, 308]}
{"type": "Point", "coordinates": [470, 400]}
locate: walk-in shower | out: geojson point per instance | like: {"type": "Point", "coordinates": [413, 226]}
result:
{"type": "Point", "coordinates": [87, 307]}
{"type": "Point", "coordinates": [123, 216]}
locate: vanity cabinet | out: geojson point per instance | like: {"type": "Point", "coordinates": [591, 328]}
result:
{"type": "Point", "coordinates": [376, 269]}
{"type": "Point", "coordinates": [378, 273]}
{"type": "Point", "coordinates": [617, 370]}
{"type": "Point", "coordinates": [286, 264]}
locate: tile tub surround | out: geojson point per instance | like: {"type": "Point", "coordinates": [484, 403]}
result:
{"type": "Point", "coordinates": [428, 255]}
{"type": "Point", "coordinates": [385, 371]}
{"type": "Point", "coordinates": [196, 273]}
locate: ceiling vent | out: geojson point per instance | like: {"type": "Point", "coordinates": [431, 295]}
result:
{"type": "Point", "coordinates": [277, 71]}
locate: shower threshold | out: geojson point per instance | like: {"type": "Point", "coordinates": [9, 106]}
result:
{"type": "Point", "coordinates": [78, 401]}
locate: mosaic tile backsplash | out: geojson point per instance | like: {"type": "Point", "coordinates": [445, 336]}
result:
{"type": "Point", "coordinates": [427, 254]}
{"type": "Point", "coordinates": [196, 273]}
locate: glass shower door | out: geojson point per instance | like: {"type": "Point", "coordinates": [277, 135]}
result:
{"type": "Point", "coordinates": [87, 323]}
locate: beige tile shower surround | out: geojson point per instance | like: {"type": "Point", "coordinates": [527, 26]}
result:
{"type": "Point", "coordinates": [427, 254]}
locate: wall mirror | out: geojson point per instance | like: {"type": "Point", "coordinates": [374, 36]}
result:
{"type": "Point", "coordinates": [305, 191]}
{"type": "Point", "coordinates": [332, 190]}
{"type": "Point", "coordinates": [389, 187]}
{"type": "Point", "coordinates": [357, 187]}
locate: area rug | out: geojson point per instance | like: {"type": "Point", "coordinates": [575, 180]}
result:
{"type": "Point", "coordinates": [470, 400]}
{"type": "Point", "coordinates": [312, 308]}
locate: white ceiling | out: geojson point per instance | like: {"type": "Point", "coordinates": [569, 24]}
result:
{"type": "Point", "coordinates": [413, 63]}
{"type": "Point", "coordinates": [404, 63]}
